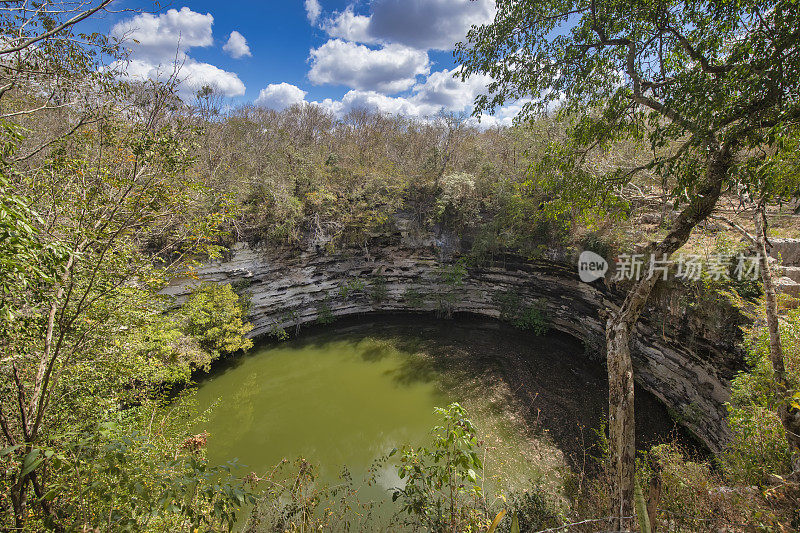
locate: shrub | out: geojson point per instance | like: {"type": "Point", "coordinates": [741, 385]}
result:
{"type": "Point", "coordinates": [442, 489]}
{"type": "Point", "coordinates": [452, 275]}
{"type": "Point", "coordinates": [599, 243]}
{"type": "Point", "coordinates": [214, 315]}
{"type": "Point", "coordinates": [685, 484]}
{"type": "Point", "coordinates": [414, 298]}
{"type": "Point", "coordinates": [532, 317]}
{"type": "Point", "coordinates": [458, 206]}
{"type": "Point", "coordinates": [324, 313]}
{"type": "Point", "coordinates": [378, 290]}
{"type": "Point", "coordinates": [278, 333]}
{"type": "Point", "coordinates": [729, 252]}
{"type": "Point", "coordinates": [759, 446]}
{"type": "Point", "coordinates": [141, 470]}
{"type": "Point", "coordinates": [353, 286]}
{"type": "Point", "coordinates": [534, 510]}
{"type": "Point", "coordinates": [294, 500]}
{"type": "Point", "coordinates": [451, 278]}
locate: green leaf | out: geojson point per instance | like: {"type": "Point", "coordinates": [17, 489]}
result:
{"type": "Point", "coordinates": [31, 462]}
{"type": "Point", "coordinates": [9, 449]}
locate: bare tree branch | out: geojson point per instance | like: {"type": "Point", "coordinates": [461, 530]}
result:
{"type": "Point", "coordinates": [58, 29]}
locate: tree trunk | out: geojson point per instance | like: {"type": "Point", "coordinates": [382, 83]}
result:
{"type": "Point", "coordinates": [770, 301]}
{"type": "Point", "coordinates": [790, 417]}
{"type": "Point", "coordinates": [654, 496]}
{"type": "Point", "coordinates": [619, 328]}
{"type": "Point", "coordinates": [18, 497]}
{"type": "Point", "coordinates": [621, 425]}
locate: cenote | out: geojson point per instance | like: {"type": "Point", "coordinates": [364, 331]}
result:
{"type": "Point", "coordinates": [345, 394]}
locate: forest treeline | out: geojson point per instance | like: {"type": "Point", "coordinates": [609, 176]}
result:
{"type": "Point", "coordinates": [302, 177]}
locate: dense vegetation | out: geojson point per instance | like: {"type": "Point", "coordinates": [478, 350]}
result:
{"type": "Point", "coordinates": [302, 177]}
{"type": "Point", "coordinates": [110, 189]}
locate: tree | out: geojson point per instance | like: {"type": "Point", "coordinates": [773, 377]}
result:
{"type": "Point", "coordinates": [41, 49]}
{"type": "Point", "coordinates": [787, 409]}
{"type": "Point", "coordinates": [709, 85]}
{"type": "Point", "coordinates": [95, 207]}
{"type": "Point", "coordinates": [216, 317]}
{"type": "Point", "coordinates": [774, 178]}
{"type": "Point", "coordinates": [81, 311]}
{"type": "Point", "coordinates": [442, 490]}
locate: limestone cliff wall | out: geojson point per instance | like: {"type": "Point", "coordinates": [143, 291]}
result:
{"type": "Point", "coordinates": [684, 353]}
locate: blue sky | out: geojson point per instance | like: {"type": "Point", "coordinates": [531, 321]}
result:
{"type": "Point", "coordinates": [391, 55]}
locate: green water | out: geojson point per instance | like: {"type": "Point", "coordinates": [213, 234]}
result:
{"type": "Point", "coordinates": [336, 403]}
{"type": "Point", "coordinates": [347, 394]}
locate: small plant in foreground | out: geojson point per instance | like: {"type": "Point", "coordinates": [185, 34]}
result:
{"type": "Point", "coordinates": [443, 483]}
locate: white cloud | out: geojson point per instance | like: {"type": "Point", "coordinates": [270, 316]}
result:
{"type": "Point", "coordinates": [236, 46]}
{"type": "Point", "coordinates": [159, 44]}
{"type": "Point", "coordinates": [439, 92]}
{"type": "Point", "coordinates": [391, 69]}
{"type": "Point", "coordinates": [423, 24]}
{"type": "Point", "coordinates": [313, 10]}
{"type": "Point", "coordinates": [503, 116]}
{"type": "Point", "coordinates": [443, 89]}
{"type": "Point", "coordinates": [283, 95]}
{"type": "Point", "coordinates": [412, 107]}
{"type": "Point", "coordinates": [349, 26]}
{"type": "Point", "coordinates": [192, 74]}
{"type": "Point", "coordinates": [196, 75]}
{"type": "Point", "coordinates": [374, 101]}
{"type": "Point", "coordinates": [155, 37]}
{"type": "Point", "coordinates": [280, 96]}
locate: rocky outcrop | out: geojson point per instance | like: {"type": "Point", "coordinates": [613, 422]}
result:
{"type": "Point", "coordinates": [787, 252]}
{"type": "Point", "coordinates": [685, 350]}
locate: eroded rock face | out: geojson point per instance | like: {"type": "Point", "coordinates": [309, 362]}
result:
{"type": "Point", "coordinates": [685, 351]}
{"type": "Point", "coordinates": [787, 250]}
{"type": "Point", "coordinates": [787, 273]}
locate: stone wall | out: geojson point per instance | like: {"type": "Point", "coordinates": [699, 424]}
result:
{"type": "Point", "coordinates": [787, 252]}
{"type": "Point", "coordinates": [685, 351]}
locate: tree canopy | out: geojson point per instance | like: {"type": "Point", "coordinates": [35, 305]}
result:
{"type": "Point", "coordinates": [687, 77]}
